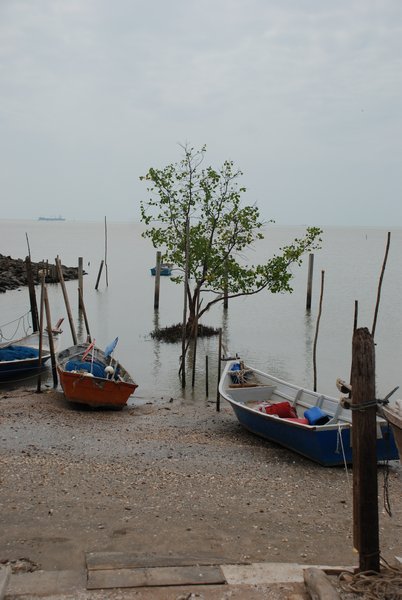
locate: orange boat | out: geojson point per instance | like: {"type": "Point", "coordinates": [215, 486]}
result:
{"type": "Point", "coordinates": [92, 377]}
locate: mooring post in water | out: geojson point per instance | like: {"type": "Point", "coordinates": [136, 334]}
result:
{"type": "Point", "coordinates": [80, 282]}
{"type": "Point", "coordinates": [225, 289]}
{"type": "Point", "coordinates": [364, 444]}
{"type": "Point", "coordinates": [32, 294]}
{"type": "Point", "coordinates": [316, 333]}
{"type": "Point", "coordinates": [66, 300]}
{"type": "Point", "coordinates": [310, 281]}
{"type": "Point", "coordinates": [51, 341]}
{"type": "Point", "coordinates": [157, 279]}
{"type": "Point", "coordinates": [218, 396]}
{"type": "Point", "coordinates": [99, 274]}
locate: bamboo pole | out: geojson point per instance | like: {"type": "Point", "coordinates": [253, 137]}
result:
{"type": "Point", "coordinates": [66, 300]}
{"type": "Point", "coordinates": [106, 269]}
{"type": "Point", "coordinates": [380, 284]}
{"type": "Point", "coordinates": [206, 376]}
{"type": "Point", "coordinates": [184, 325]}
{"type": "Point", "coordinates": [364, 436]}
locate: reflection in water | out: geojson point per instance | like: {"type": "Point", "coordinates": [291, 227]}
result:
{"type": "Point", "coordinates": [156, 343]}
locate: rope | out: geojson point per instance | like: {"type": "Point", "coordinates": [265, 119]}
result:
{"type": "Point", "coordinates": [22, 321]}
{"type": "Point", "coordinates": [339, 442]}
{"type": "Point", "coordinates": [386, 585]}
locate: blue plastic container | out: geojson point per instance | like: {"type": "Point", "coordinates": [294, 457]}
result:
{"type": "Point", "coordinates": [316, 416]}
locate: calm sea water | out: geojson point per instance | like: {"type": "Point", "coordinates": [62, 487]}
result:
{"type": "Point", "coordinates": [273, 332]}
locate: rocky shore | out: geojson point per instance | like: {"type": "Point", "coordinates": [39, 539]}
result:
{"type": "Point", "coordinates": [13, 272]}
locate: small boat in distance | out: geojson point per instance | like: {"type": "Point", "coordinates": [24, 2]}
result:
{"type": "Point", "coordinates": [90, 376]}
{"type": "Point", "coordinates": [166, 269]}
{"type": "Point", "coordinates": [59, 218]}
{"type": "Point", "coordinates": [314, 425]}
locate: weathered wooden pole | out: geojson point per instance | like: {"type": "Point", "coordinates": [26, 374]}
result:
{"type": "Point", "coordinates": [99, 274]}
{"type": "Point", "coordinates": [66, 300]}
{"type": "Point", "coordinates": [29, 249]}
{"type": "Point", "coordinates": [51, 341]}
{"type": "Point", "coordinates": [206, 376]}
{"type": "Point", "coordinates": [42, 303]}
{"type": "Point", "coordinates": [32, 294]}
{"type": "Point", "coordinates": [310, 281]}
{"type": "Point", "coordinates": [218, 396]}
{"type": "Point", "coordinates": [316, 332]}
{"type": "Point", "coordinates": [157, 279]}
{"type": "Point", "coordinates": [185, 286]}
{"type": "Point", "coordinates": [84, 312]}
{"type": "Point", "coordinates": [106, 269]}
{"type": "Point", "coordinates": [80, 282]}
{"type": "Point", "coordinates": [364, 438]}
{"type": "Point", "coordinates": [380, 284]}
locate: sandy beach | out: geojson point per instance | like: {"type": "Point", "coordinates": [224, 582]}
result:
{"type": "Point", "coordinates": [168, 478]}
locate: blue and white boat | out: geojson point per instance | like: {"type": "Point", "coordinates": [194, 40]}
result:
{"type": "Point", "coordinates": [165, 269]}
{"type": "Point", "coordinates": [20, 358]}
{"type": "Point", "coordinates": [314, 425]}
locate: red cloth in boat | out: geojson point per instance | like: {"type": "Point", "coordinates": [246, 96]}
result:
{"type": "Point", "coordinates": [283, 409]}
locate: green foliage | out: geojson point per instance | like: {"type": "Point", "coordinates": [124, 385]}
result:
{"type": "Point", "coordinates": [208, 201]}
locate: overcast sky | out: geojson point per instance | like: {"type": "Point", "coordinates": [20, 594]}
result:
{"type": "Point", "coordinates": [305, 96]}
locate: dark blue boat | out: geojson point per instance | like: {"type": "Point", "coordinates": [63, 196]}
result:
{"type": "Point", "coordinates": [20, 357]}
{"type": "Point", "coordinates": [314, 425]}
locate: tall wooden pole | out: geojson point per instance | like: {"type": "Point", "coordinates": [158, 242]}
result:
{"type": "Point", "coordinates": [84, 312]}
{"type": "Point", "coordinates": [66, 300]}
{"type": "Point", "coordinates": [157, 279]}
{"type": "Point", "coordinates": [32, 294]}
{"type": "Point", "coordinates": [106, 270]}
{"type": "Point", "coordinates": [99, 274]}
{"type": "Point", "coordinates": [42, 301]}
{"type": "Point", "coordinates": [380, 284]}
{"type": "Point", "coordinates": [51, 340]}
{"type": "Point", "coordinates": [80, 281]}
{"type": "Point", "coordinates": [218, 396]}
{"type": "Point", "coordinates": [364, 437]}
{"type": "Point", "coordinates": [184, 325]}
{"type": "Point", "coordinates": [316, 332]}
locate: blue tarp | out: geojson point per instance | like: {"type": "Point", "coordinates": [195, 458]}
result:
{"type": "Point", "coordinates": [18, 353]}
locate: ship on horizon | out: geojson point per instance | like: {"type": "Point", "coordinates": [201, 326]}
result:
{"type": "Point", "coordinates": [59, 218]}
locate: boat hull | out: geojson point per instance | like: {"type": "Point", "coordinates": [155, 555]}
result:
{"type": "Point", "coordinates": [96, 391]}
{"type": "Point", "coordinates": [395, 421]}
{"type": "Point", "coordinates": [328, 447]}
{"type": "Point", "coordinates": [25, 367]}
{"type": "Point", "coordinates": [329, 442]}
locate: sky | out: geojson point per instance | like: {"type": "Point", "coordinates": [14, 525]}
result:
{"type": "Point", "coordinates": [305, 96]}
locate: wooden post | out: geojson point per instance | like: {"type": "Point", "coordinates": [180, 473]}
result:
{"type": "Point", "coordinates": [99, 274]}
{"type": "Point", "coordinates": [364, 437]}
{"type": "Point", "coordinates": [51, 341]}
{"type": "Point", "coordinates": [157, 279]}
{"type": "Point", "coordinates": [42, 301]}
{"type": "Point", "coordinates": [80, 282]}
{"type": "Point", "coordinates": [29, 249]}
{"type": "Point", "coordinates": [185, 286]}
{"type": "Point", "coordinates": [309, 281]}
{"type": "Point", "coordinates": [66, 300]}
{"type": "Point", "coordinates": [218, 396]}
{"type": "Point", "coordinates": [106, 270]}
{"type": "Point", "coordinates": [206, 376]}
{"type": "Point", "coordinates": [32, 294]}
{"type": "Point", "coordinates": [316, 333]}
{"type": "Point", "coordinates": [84, 312]}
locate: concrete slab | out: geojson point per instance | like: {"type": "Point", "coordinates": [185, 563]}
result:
{"type": "Point", "coordinates": [46, 583]}
{"type": "Point", "coordinates": [5, 573]}
{"type": "Point", "coordinates": [262, 573]}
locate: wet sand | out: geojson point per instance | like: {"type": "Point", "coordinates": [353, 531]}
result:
{"type": "Point", "coordinates": [168, 478]}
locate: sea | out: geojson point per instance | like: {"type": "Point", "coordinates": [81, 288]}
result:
{"type": "Point", "coordinates": [273, 332]}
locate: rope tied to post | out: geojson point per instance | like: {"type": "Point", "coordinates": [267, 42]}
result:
{"type": "Point", "coordinates": [386, 585]}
